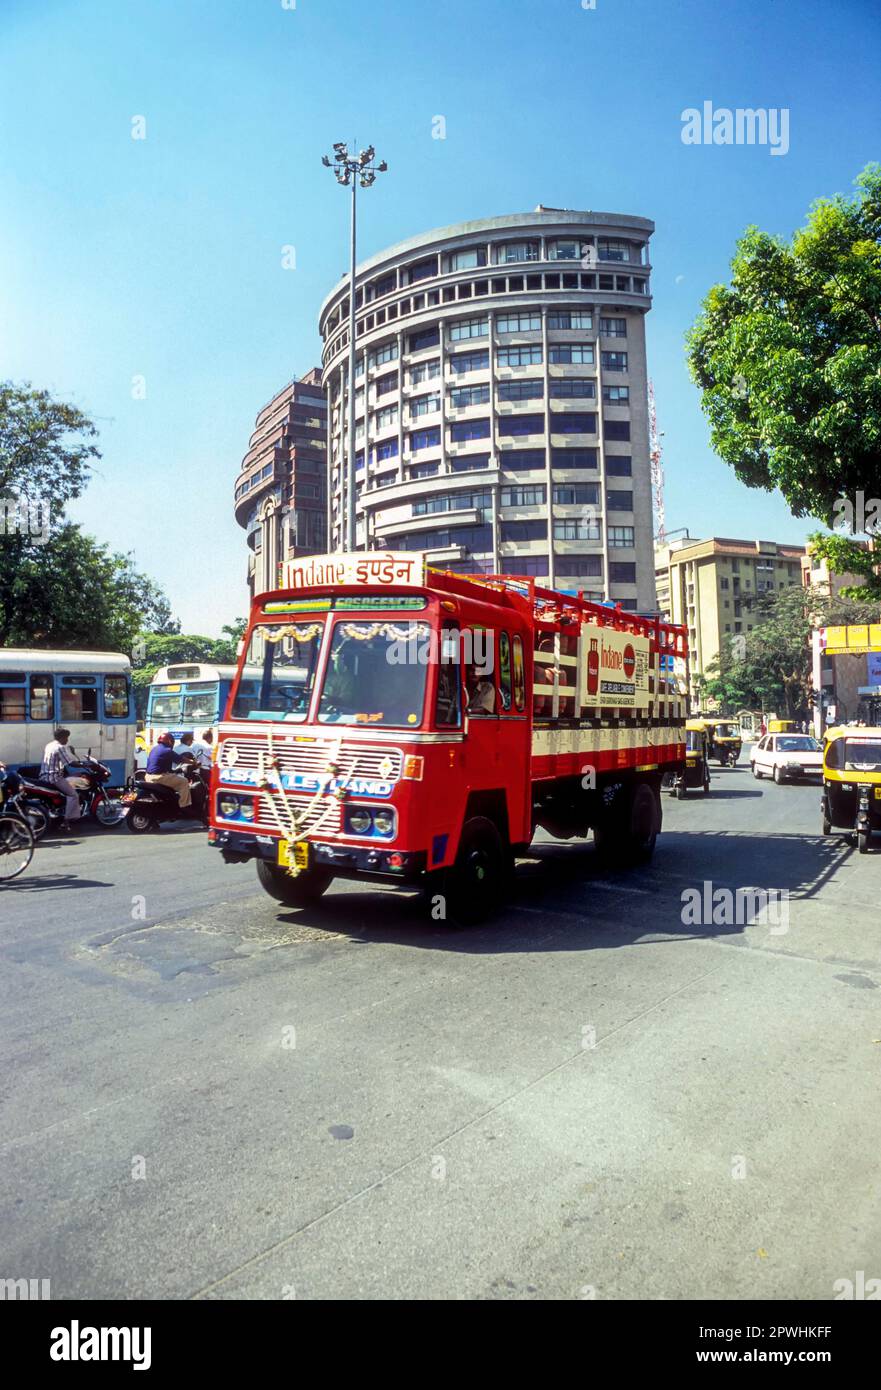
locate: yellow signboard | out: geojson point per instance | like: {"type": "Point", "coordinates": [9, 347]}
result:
{"type": "Point", "coordinates": [854, 640]}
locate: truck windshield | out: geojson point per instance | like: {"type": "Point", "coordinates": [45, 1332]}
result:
{"type": "Point", "coordinates": [286, 656]}
{"type": "Point", "coordinates": [376, 674]}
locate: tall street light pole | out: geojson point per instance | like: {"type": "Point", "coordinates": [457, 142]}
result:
{"type": "Point", "coordinates": [352, 169]}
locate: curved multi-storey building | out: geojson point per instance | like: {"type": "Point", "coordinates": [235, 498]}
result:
{"type": "Point", "coordinates": [500, 400]}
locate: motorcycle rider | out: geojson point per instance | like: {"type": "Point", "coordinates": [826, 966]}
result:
{"type": "Point", "coordinates": [57, 758]}
{"type": "Point", "coordinates": [159, 769]}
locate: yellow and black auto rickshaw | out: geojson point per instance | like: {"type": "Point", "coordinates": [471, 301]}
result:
{"type": "Point", "coordinates": [696, 772]}
{"type": "Point", "coordinates": [852, 782]}
{"type": "Point", "coordinates": [725, 740]}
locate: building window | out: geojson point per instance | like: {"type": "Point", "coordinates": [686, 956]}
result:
{"type": "Point", "coordinates": [531, 566]}
{"type": "Point", "coordinates": [463, 396]}
{"type": "Point", "coordinates": [469, 361]}
{"type": "Point", "coordinates": [616, 430]}
{"type": "Point", "coordinates": [574, 458]}
{"type": "Point", "coordinates": [571, 352]}
{"type": "Point", "coordinates": [607, 282]}
{"type": "Point", "coordinates": [620, 537]}
{"type": "Point", "coordinates": [384, 285]}
{"type": "Point", "coordinates": [524, 530]}
{"type": "Point", "coordinates": [469, 463]}
{"type": "Point", "coordinates": [616, 393]}
{"type": "Point", "coordinates": [619, 465]}
{"type": "Point", "coordinates": [425, 439]}
{"type": "Point", "coordinates": [529, 496]}
{"type": "Point", "coordinates": [387, 450]}
{"type": "Point", "coordinates": [575, 528]}
{"type": "Point", "coordinates": [518, 460]}
{"type": "Point", "coordinates": [573, 422]}
{"type": "Point", "coordinates": [424, 405]}
{"type": "Point", "coordinates": [518, 323]}
{"type": "Point", "coordinates": [384, 384]}
{"type": "Point", "coordinates": [614, 361]}
{"type": "Point", "coordinates": [421, 270]}
{"type": "Point", "coordinates": [467, 260]}
{"type": "Point", "coordinates": [425, 338]}
{"type": "Point", "coordinates": [589, 565]}
{"type": "Point", "coordinates": [619, 501]}
{"type": "Point", "coordinates": [521, 424]}
{"type": "Point", "coordinates": [572, 388]}
{"type": "Point", "coordinates": [453, 502]}
{"type": "Point", "coordinates": [510, 252]}
{"type": "Point", "coordinates": [613, 328]}
{"type": "Point", "coordinates": [576, 494]}
{"type": "Point", "coordinates": [423, 470]}
{"type": "Point", "coordinates": [424, 371]}
{"type": "Point", "coordinates": [387, 353]}
{"type": "Point", "coordinates": [383, 418]}
{"type": "Point", "coordinates": [468, 328]}
{"type": "Point", "coordinates": [463, 430]}
{"type": "Point", "coordinates": [612, 250]}
{"type": "Point", "coordinates": [528, 356]}
{"type": "Point", "coordinates": [530, 390]}
{"type": "Point", "coordinates": [569, 318]}
{"type": "Point", "coordinates": [565, 250]}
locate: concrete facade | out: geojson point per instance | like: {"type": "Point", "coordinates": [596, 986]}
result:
{"type": "Point", "coordinates": [501, 415]}
{"type": "Point", "coordinates": [281, 490]}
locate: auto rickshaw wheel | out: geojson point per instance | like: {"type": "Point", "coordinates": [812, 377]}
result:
{"type": "Point", "coordinates": [680, 790]}
{"type": "Point", "coordinates": [706, 784]}
{"type": "Point", "coordinates": [827, 825]}
{"type": "Point", "coordinates": [863, 841]}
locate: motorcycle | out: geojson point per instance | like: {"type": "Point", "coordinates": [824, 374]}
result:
{"type": "Point", "coordinates": [150, 804]}
{"type": "Point", "coordinates": [89, 778]}
{"type": "Point", "coordinates": [24, 800]}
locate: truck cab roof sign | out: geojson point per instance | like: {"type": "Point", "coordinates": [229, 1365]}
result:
{"type": "Point", "coordinates": [377, 568]}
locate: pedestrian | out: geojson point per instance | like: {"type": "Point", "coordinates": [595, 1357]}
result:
{"type": "Point", "coordinates": [57, 759]}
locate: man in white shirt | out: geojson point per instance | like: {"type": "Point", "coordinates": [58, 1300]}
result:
{"type": "Point", "coordinates": [199, 748]}
{"type": "Point", "coordinates": [57, 758]}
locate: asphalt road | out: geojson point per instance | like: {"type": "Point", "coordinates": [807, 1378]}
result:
{"type": "Point", "coordinates": [205, 1095]}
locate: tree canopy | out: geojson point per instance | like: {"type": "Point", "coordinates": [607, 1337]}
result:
{"type": "Point", "coordinates": [788, 360]}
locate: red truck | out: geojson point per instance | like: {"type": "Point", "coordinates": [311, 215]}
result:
{"type": "Point", "coordinates": [395, 723]}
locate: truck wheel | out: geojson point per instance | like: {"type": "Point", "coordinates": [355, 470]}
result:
{"type": "Point", "coordinates": [475, 885]}
{"type": "Point", "coordinates": [640, 843]}
{"type": "Point", "coordinates": [306, 888]}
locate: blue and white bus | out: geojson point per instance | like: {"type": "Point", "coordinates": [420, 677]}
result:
{"type": "Point", "coordinates": [90, 693]}
{"type": "Point", "coordinates": [187, 696]}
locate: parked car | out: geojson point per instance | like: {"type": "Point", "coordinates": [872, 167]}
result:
{"type": "Point", "coordinates": [787, 757]}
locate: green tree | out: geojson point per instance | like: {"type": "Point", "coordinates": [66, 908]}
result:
{"type": "Point", "coordinates": [770, 666]}
{"type": "Point", "coordinates": [153, 650]}
{"type": "Point", "coordinates": [788, 361]}
{"type": "Point", "coordinates": [46, 447]}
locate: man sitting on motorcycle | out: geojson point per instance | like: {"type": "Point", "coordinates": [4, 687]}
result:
{"type": "Point", "coordinates": [57, 759]}
{"type": "Point", "coordinates": [159, 769]}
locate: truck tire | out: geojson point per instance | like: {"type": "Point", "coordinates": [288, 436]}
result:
{"type": "Point", "coordinates": [475, 885]}
{"type": "Point", "coordinates": [629, 836]}
{"type": "Point", "coordinates": [306, 888]}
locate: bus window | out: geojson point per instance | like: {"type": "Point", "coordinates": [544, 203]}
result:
{"type": "Point", "coordinates": [79, 704]}
{"type": "Point", "coordinates": [448, 701]}
{"type": "Point", "coordinates": [505, 670]}
{"type": "Point", "coordinates": [115, 697]}
{"type": "Point", "coordinates": [519, 675]}
{"type": "Point", "coordinates": [12, 704]}
{"type": "Point", "coordinates": [200, 703]}
{"type": "Point", "coordinates": [163, 706]}
{"type": "Point", "coordinates": [42, 698]}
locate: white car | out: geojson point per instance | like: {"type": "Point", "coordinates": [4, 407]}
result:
{"type": "Point", "coordinates": [787, 757]}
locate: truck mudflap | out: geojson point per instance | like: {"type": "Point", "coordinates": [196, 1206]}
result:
{"type": "Point", "coordinates": [344, 861]}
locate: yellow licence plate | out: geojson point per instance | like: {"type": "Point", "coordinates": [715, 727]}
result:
{"type": "Point", "coordinates": [878, 793]}
{"type": "Point", "coordinates": [300, 850]}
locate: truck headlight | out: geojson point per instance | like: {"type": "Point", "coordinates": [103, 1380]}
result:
{"type": "Point", "coordinates": [229, 806]}
{"type": "Point", "coordinates": [360, 820]}
{"type": "Point", "coordinates": [247, 808]}
{"type": "Point", "coordinates": [384, 822]}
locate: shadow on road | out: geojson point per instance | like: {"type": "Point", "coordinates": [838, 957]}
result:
{"type": "Point", "coordinates": [565, 887]}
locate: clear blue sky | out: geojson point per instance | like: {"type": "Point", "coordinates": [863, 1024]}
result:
{"type": "Point", "coordinates": [162, 257]}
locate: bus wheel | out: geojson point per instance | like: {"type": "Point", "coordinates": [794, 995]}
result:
{"type": "Point", "coordinates": [306, 888]}
{"type": "Point", "coordinates": [475, 884]}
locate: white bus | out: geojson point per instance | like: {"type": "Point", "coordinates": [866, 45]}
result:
{"type": "Point", "coordinates": [89, 693]}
